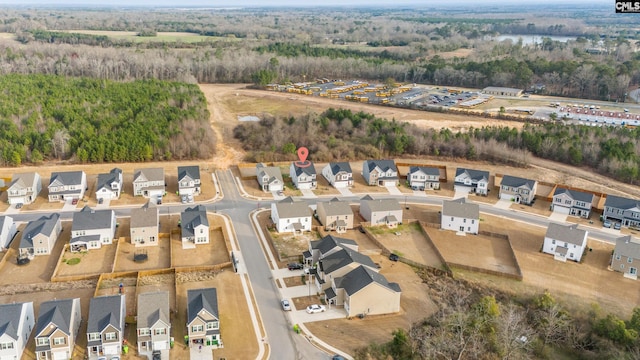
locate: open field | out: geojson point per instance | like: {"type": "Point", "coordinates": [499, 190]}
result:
{"type": "Point", "coordinates": [411, 244]}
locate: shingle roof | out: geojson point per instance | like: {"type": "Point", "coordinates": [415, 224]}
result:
{"type": "Point", "coordinates": [383, 205]}
{"type": "Point", "coordinates": [105, 180]}
{"type": "Point", "coordinates": [475, 175]}
{"type": "Point", "coordinates": [191, 218]}
{"type": "Point", "coordinates": [57, 312]}
{"type": "Point", "coordinates": [23, 180]}
{"type": "Point", "coordinates": [517, 182]}
{"type": "Point", "coordinates": [567, 233]}
{"type": "Point", "coordinates": [384, 165]}
{"type": "Point", "coordinates": [150, 174]}
{"type": "Point", "coordinates": [575, 194]}
{"type": "Point", "coordinates": [288, 208]}
{"type": "Point", "coordinates": [44, 225]}
{"type": "Point", "coordinates": [329, 242]}
{"type": "Point", "coordinates": [344, 257]}
{"type": "Point", "coordinates": [199, 299]}
{"type": "Point", "coordinates": [460, 208]}
{"type": "Point", "coordinates": [337, 167]}
{"type": "Point", "coordinates": [153, 307]}
{"type": "Point", "coordinates": [273, 172]}
{"type": "Point", "coordinates": [145, 216]}
{"type": "Point", "coordinates": [191, 171]}
{"type": "Point", "coordinates": [333, 208]}
{"type": "Point", "coordinates": [358, 278]}
{"type": "Point", "coordinates": [628, 246]}
{"type": "Point", "coordinates": [619, 202]}
{"type": "Point", "coordinates": [85, 239]}
{"type": "Point", "coordinates": [67, 177]}
{"type": "Point", "coordinates": [105, 311]}
{"type": "Point", "coordinates": [309, 170]}
{"type": "Point", "coordinates": [90, 219]}
{"type": "Point", "coordinates": [427, 170]}
{"type": "Point", "coordinates": [10, 319]}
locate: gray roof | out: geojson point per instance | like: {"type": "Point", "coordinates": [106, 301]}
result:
{"type": "Point", "coordinates": [575, 194]}
{"type": "Point", "coordinates": [628, 246]}
{"type": "Point", "coordinates": [358, 278]}
{"type": "Point", "coordinates": [145, 216]}
{"type": "Point", "coordinates": [153, 307]}
{"type": "Point", "coordinates": [199, 299]}
{"type": "Point", "coordinates": [384, 165]}
{"type": "Point", "coordinates": [192, 217]}
{"type": "Point", "coordinates": [105, 180]}
{"type": "Point", "coordinates": [427, 170]}
{"type": "Point", "coordinates": [10, 319]}
{"type": "Point", "coordinates": [3, 219]}
{"type": "Point", "coordinates": [190, 171]}
{"type": "Point", "coordinates": [91, 219]}
{"type": "Point", "coordinates": [344, 257]}
{"type": "Point", "coordinates": [273, 172]}
{"type": "Point", "coordinates": [44, 225]}
{"type": "Point", "coordinates": [105, 311]}
{"type": "Point", "coordinates": [476, 175]}
{"type": "Point", "coordinates": [151, 174]}
{"type": "Point", "coordinates": [57, 312]}
{"type": "Point", "coordinates": [333, 208]}
{"type": "Point", "coordinates": [517, 182]}
{"type": "Point", "coordinates": [67, 177]}
{"type": "Point", "coordinates": [619, 202]}
{"type": "Point", "coordinates": [567, 233]}
{"type": "Point", "coordinates": [460, 208]}
{"type": "Point", "coordinates": [337, 167]}
{"type": "Point", "coordinates": [383, 205]}
{"type": "Point", "coordinates": [85, 239]}
{"type": "Point", "coordinates": [309, 170]}
{"type": "Point", "coordinates": [329, 242]}
{"type": "Point", "coordinates": [288, 208]}
{"type": "Point", "coordinates": [329, 293]}
{"type": "Point", "coordinates": [24, 179]}
{"type": "Point", "coordinates": [502, 89]}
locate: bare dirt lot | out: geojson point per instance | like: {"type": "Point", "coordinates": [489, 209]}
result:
{"type": "Point", "coordinates": [410, 244]}
{"type": "Point", "coordinates": [92, 262]}
{"type": "Point", "coordinates": [213, 253]}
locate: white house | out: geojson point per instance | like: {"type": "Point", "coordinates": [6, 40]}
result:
{"type": "Point", "coordinates": [338, 174]}
{"type": "Point", "coordinates": [460, 216]}
{"type": "Point", "coordinates": [7, 231]}
{"type": "Point", "coordinates": [67, 185]}
{"type": "Point", "coordinates": [92, 228]}
{"type": "Point", "coordinates": [572, 202]}
{"type": "Point", "coordinates": [421, 178]}
{"type": "Point", "coordinates": [565, 242]}
{"type": "Point", "coordinates": [24, 188]}
{"type": "Point", "coordinates": [269, 178]}
{"type": "Point", "coordinates": [471, 181]}
{"type": "Point", "coordinates": [381, 212]}
{"type": "Point", "coordinates": [303, 177]}
{"type": "Point", "coordinates": [291, 216]}
{"type": "Point", "coordinates": [109, 186]}
{"type": "Point", "coordinates": [189, 180]}
{"type": "Point", "coordinates": [17, 320]}
{"type": "Point", "coordinates": [194, 227]}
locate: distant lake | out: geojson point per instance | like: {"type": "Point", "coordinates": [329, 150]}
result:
{"type": "Point", "coordinates": [533, 39]}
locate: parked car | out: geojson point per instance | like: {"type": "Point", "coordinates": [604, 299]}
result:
{"type": "Point", "coordinates": [606, 224]}
{"type": "Point", "coordinates": [295, 266]}
{"type": "Point", "coordinates": [617, 226]}
{"type": "Point", "coordinates": [157, 355]}
{"type": "Point", "coordinates": [74, 202]}
{"type": "Point", "coordinates": [101, 200]}
{"type": "Point", "coordinates": [19, 205]}
{"type": "Point", "coordinates": [337, 357]}
{"type": "Point", "coordinates": [394, 257]}
{"type": "Point", "coordinates": [361, 229]}
{"type": "Point", "coordinates": [286, 306]}
{"type": "Point", "coordinates": [183, 198]}
{"type": "Point", "coordinates": [315, 308]}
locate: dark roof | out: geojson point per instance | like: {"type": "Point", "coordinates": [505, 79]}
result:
{"type": "Point", "coordinates": [384, 165]}
{"type": "Point", "coordinates": [85, 239]}
{"type": "Point", "coordinates": [337, 167]}
{"type": "Point", "coordinates": [329, 242]}
{"type": "Point", "coordinates": [191, 171]}
{"type": "Point", "coordinates": [191, 218]}
{"type": "Point", "coordinates": [90, 219]}
{"type": "Point", "coordinates": [309, 170]}
{"type": "Point", "coordinates": [358, 278]}
{"type": "Point", "coordinates": [105, 311]}
{"type": "Point", "coordinates": [57, 312]}
{"type": "Point", "coordinates": [628, 246]}
{"type": "Point", "coordinates": [514, 181]}
{"type": "Point", "coordinates": [619, 202]}
{"type": "Point", "coordinates": [476, 175]}
{"type": "Point", "coordinates": [10, 319]}
{"type": "Point", "coordinates": [152, 307]}
{"type": "Point", "coordinates": [105, 180]}
{"type": "Point", "coordinates": [329, 293]}
{"type": "Point", "coordinates": [427, 170]}
{"type": "Point", "coordinates": [575, 194]}
{"type": "Point", "coordinates": [342, 258]}
{"type": "Point", "coordinates": [44, 225]}
{"type": "Point", "coordinates": [199, 299]}
{"type": "Point", "coordinates": [67, 177]}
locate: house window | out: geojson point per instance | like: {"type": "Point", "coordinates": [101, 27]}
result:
{"type": "Point", "coordinates": [571, 255]}
{"type": "Point", "coordinates": [633, 271]}
{"type": "Point", "coordinates": [161, 331]}
{"type": "Point", "coordinates": [42, 341]}
{"type": "Point", "coordinates": [553, 242]}
{"type": "Point", "coordinates": [464, 221]}
{"type": "Point", "coordinates": [212, 325]}
{"type": "Point", "coordinates": [197, 328]}
{"type": "Point", "coordinates": [111, 336]}
{"type": "Point", "coordinates": [617, 256]}
{"type": "Point", "coordinates": [94, 336]}
{"type": "Point", "coordinates": [473, 221]}
{"type": "Point", "coordinates": [452, 218]}
{"type": "Point", "coordinates": [629, 260]}
{"type": "Point", "coordinates": [6, 346]}
{"type": "Point", "coordinates": [59, 341]}
{"type": "Point", "coordinates": [621, 266]}
{"type": "Point", "coordinates": [144, 332]}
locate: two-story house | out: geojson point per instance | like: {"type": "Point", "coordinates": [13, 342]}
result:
{"type": "Point", "coordinates": [24, 188]}
{"type": "Point", "coordinates": [303, 177]}
{"type": "Point", "coordinates": [149, 183]}
{"type": "Point", "coordinates": [381, 212]}
{"type": "Point", "coordinates": [339, 263]}
{"type": "Point", "coordinates": [145, 225]}
{"type": "Point", "coordinates": [105, 327]}
{"type": "Point", "coordinates": [335, 215]}
{"type": "Point", "coordinates": [56, 329]}
{"type": "Point", "coordinates": [626, 256]}
{"type": "Point", "coordinates": [572, 202]}
{"type": "Point", "coordinates": [17, 320]}
{"type": "Point", "coordinates": [92, 228]}
{"type": "Point", "coordinates": [109, 185]}
{"type": "Point", "coordinates": [194, 227]}
{"type": "Point", "coordinates": [518, 190]}
{"type": "Point", "coordinates": [39, 236]}
{"type": "Point", "coordinates": [203, 319]}
{"type": "Point", "coordinates": [338, 174]}
{"type": "Point", "coordinates": [67, 185]}
{"type": "Point", "coordinates": [471, 181]}
{"type": "Point", "coordinates": [290, 215]}
{"type": "Point", "coordinates": [154, 323]}
{"type": "Point", "coordinates": [7, 231]}
{"type": "Point", "coordinates": [269, 178]}
{"type": "Point", "coordinates": [380, 172]}
{"type": "Point", "coordinates": [460, 216]}
{"type": "Point", "coordinates": [325, 246]}
{"type": "Point", "coordinates": [623, 210]}
{"type": "Point", "coordinates": [565, 242]}
{"type": "Point", "coordinates": [189, 180]}
{"type": "Point", "coordinates": [422, 178]}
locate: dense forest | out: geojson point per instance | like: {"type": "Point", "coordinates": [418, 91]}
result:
{"type": "Point", "coordinates": [92, 120]}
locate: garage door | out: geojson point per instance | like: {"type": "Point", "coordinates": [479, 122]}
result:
{"type": "Point", "coordinates": [159, 345]}
{"type": "Point", "coordinates": [60, 355]}
{"type": "Point", "coordinates": [461, 189]}
{"type": "Point", "coordinates": [506, 196]}
{"type": "Point", "coordinates": [111, 350]}
{"type": "Point", "coordinates": [561, 209]}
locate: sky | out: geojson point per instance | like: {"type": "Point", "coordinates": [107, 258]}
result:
{"type": "Point", "coordinates": [295, 3]}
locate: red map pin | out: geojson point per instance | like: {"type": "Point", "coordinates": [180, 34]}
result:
{"type": "Point", "coordinates": [303, 152]}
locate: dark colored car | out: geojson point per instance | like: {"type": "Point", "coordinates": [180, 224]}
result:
{"type": "Point", "coordinates": [295, 266]}
{"type": "Point", "coordinates": [361, 229]}
{"type": "Point", "coordinates": [157, 355]}
{"type": "Point", "coordinates": [394, 257]}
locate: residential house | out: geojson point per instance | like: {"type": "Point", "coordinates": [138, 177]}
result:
{"type": "Point", "coordinates": [7, 231]}
{"type": "Point", "coordinates": [572, 202]}
{"type": "Point", "coordinates": [105, 327]}
{"type": "Point", "coordinates": [338, 174]}
{"type": "Point", "coordinates": [269, 178]}
{"type": "Point", "coordinates": [626, 256]}
{"type": "Point", "coordinates": [518, 190]}
{"type": "Point", "coordinates": [67, 185]}
{"type": "Point", "coordinates": [303, 177]}
{"type": "Point", "coordinates": [565, 242]}
{"type": "Point", "coordinates": [421, 178]}
{"type": "Point", "coordinates": [92, 228]}
{"type": "Point", "coordinates": [189, 180]}
{"type": "Point", "coordinates": [380, 172]}
{"type": "Point", "coordinates": [145, 225]}
{"type": "Point", "coordinates": [335, 215]}
{"type": "Point", "coordinates": [56, 329]}
{"type": "Point", "coordinates": [326, 246]}
{"type": "Point", "coordinates": [381, 212]}
{"type": "Point", "coordinates": [460, 216]}
{"type": "Point", "coordinates": [623, 210]}
{"type": "Point", "coordinates": [471, 181]}
{"type": "Point", "coordinates": [24, 188]}
{"type": "Point", "coordinates": [154, 323]}
{"type": "Point", "coordinates": [363, 291]}
{"type": "Point", "coordinates": [194, 226]}
{"type": "Point", "coordinates": [203, 319]}
{"type": "Point", "coordinates": [339, 263]}
{"type": "Point", "coordinates": [109, 185]}
{"type": "Point", "coordinates": [291, 216]}
{"type": "Point", "coordinates": [39, 236]}
{"type": "Point", "coordinates": [16, 323]}
{"type": "Point", "coordinates": [149, 183]}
